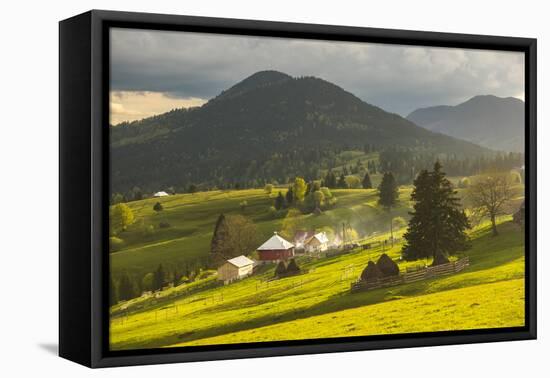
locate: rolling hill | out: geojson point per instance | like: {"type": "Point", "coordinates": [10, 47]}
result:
{"type": "Point", "coordinates": [494, 122]}
{"type": "Point", "coordinates": [266, 128]}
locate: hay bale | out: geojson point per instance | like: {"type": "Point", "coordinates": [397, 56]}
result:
{"type": "Point", "coordinates": [371, 273]}
{"type": "Point", "coordinates": [292, 267]}
{"type": "Point", "coordinates": [440, 259]}
{"type": "Point", "coordinates": [387, 266]}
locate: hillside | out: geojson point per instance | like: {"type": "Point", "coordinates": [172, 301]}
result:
{"type": "Point", "coordinates": [494, 122]}
{"type": "Point", "coordinates": [267, 128]}
{"type": "Point", "coordinates": [318, 304]}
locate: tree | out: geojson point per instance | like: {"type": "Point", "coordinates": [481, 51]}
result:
{"type": "Point", "coordinates": [490, 196]}
{"type": "Point", "coordinates": [367, 184]}
{"type": "Point", "coordinates": [291, 224]}
{"type": "Point", "coordinates": [219, 236]}
{"type": "Point", "coordinates": [120, 217]}
{"type": "Point", "coordinates": [319, 198]}
{"type": "Point", "coordinates": [192, 188]}
{"type": "Point", "coordinates": [299, 189]}
{"type": "Point", "coordinates": [388, 191]}
{"type": "Point", "coordinates": [438, 224]}
{"type": "Point", "coordinates": [268, 188]}
{"type": "Point", "coordinates": [158, 207]}
{"type": "Point", "coordinates": [126, 288]}
{"type": "Point", "coordinates": [147, 282]}
{"type": "Point", "coordinates": [113, 292]}
{"type": "Point", "coordinates": [342, 182]}
{"type": "Point", "coordinates": [289, 197]}
{"type": "Point", "coordinates": [159, 278]}
{"type": "Point", "coordinates": [353, 182]}
{"type": "Point", "coordinates": [280, 201]}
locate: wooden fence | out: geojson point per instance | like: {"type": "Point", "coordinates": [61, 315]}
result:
{"type": "Point", "coordinates": [412, 275]}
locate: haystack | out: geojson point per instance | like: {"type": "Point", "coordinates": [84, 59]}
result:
{"type": "Point", "coordinates": [371, 273]}
{"type": "Point", "coordinates": [292, 267]}
{"type": "Point", "coordinates": [387, 266]}
{"type": "Point", "coordinates": [280, 270]}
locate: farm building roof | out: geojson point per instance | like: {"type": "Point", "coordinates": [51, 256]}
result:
{"type": "Point", "coordinates": [240, 261]}
{"type": "Point", "coordinates": [321, 237]}
{"type": "Point", "coordinates": [160, 194]}
{"type": "Point", "coordinates": [275, 243]}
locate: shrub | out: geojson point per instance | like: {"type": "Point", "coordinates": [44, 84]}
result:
{"type": "Point", "coordinates": [115, 244]}
{"type": "Point", "coordinates": [464, 183]}
{"type": "Point", "coordinates": [158, 207]}
{"type": "Point", "coordinates": [387, 266]}
{"type": "Point", "coordinates": [292, 267]}
{"type": "Point", "coordinates": [371, 273]}
{"type": "Point", "coordinates": [440, 259]}
{"type": "Point", "coordinates": [280, 269]}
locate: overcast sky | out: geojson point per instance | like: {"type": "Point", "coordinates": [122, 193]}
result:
{"type": "Point", "coordinates": [155, 71]}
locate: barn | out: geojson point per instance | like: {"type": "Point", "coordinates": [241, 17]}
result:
{"type": "Point", "coordinates": [316, 243]}
{"type": "Point", "coordinates": [235, 269]}
{"type": "Point", "coordinates": [275, 249]}
{"type": "Point", "coordinates": [160, 194]}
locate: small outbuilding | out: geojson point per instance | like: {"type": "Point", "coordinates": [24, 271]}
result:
{"type": "Point", "coordinates": [275, 249]}
{"type": "Point", "coordinates": [161, 194]}
{"type": "Point", "coordinates": [316, 243]}
{"type": "Point", "coordinates": [235, 269]}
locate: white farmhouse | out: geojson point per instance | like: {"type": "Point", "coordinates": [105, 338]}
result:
{"type": "Point", "coordinates": [235, 269]}
{"type": "Point", "coordinates": [316, 243]}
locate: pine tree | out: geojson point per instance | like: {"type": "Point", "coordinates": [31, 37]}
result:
{"type": "Point", "coordinates": [438, 224]}
{"type": "Point", "coordinates": [342, 181]}
{"type": "Point", "coordinates": [159, 280]}
{"type": "Point", "coordinates": [388, 191]}
{"type": "Point", "coordinates": [219, 236]}
{"type": "Point", "coordinates": [280, 201]}
{"type": "Point", "coordinates": [126, 288]}
{"type": "Point", "coordinates": [289, 196]}
{"type": "Point", "coordinates": [367, 184]}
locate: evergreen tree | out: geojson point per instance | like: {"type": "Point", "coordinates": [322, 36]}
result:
{"type": "Point", "coordinates": [438, 224]}
{"type": "Point", "coordinates": [126, 288]}
{"type": "Point", "coordinates": [158, 207]}
{"type": "Point", "coordinates": [289, 196]}
{"type": "Point", "coordinates": [280, 201]}
{"type": "Point", "coordinates": [342, 181]}
{"type": "Point", "coordinates": [113, 292]}
{"type": "Point", "coordinates": [388, 191]}
{"type": "Point", "coordinates": [159, 280]}
{"type": "Point", "coordinates": [367, 184]}
{"type": "Point", "coordinates": [219, 236]}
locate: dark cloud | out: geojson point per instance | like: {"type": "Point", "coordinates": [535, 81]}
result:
{"type": "Point", "coordinates": [396, 78]}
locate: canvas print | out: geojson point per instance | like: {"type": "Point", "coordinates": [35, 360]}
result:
{"type": "Point", "coordinates": [269, 189]}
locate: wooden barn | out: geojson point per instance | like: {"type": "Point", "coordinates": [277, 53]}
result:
{"type": "Point", "coordinates": [235, 269]}
{"type": "Point", "coordinates": [275, 249]}
{"type": "Point", "coordinates": [316, 243]}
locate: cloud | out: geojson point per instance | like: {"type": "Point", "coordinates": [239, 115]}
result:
{"type": "Point", "coordinates": [134, 105]}
{"type": "Point", "coordinates": [396, 78]}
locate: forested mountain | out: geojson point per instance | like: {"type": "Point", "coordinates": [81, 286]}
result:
{"type": "Point", "coordinates": [267, 128]}
{"type": "Point", "coordinates": [494, 122]}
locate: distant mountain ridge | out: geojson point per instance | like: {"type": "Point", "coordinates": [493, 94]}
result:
{"type": "Point", "coordinates": [494, 122]}
{"type": "Point", "coordinates": [267, 128]}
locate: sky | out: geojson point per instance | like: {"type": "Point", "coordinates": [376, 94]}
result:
{"type": "Point", "coordinates": [155, 71]}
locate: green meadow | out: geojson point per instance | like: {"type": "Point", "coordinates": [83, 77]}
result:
{"type": "Point", "coordinates": [317, 304]}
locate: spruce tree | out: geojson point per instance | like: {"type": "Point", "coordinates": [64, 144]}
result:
{"type": "Point", "coordinates": [342, 181]}
{"type": "Point", "coordinates": [367, 184]}
{"type": "Point", "coordinates": [438, 224]}
{"type": "Point", "coordinates": [126, 288]}
{"type": "Point", "coordinates": [388, 191]}
{"type": "Point", "coordinates": [289, 196]}
{"type": "Point", "coordinates": [158, 282]}
{"type": "Point", "coordinates": [280, 201]}
{"type": "Point", "coordinates": [219, 236]}
{"type": "Point", "coordinates": [113, 292]}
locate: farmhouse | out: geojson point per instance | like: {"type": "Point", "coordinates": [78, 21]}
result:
{"type": "Point", "coordinates": [300, 238]}
{"type": "Point", "coordinates": [160, 194]}
{"type": "Point", "coordinates": [235, 269]}
{"type": "Point", "coordinates": [275, 249]}
{"type": "Point", "coordinates": [316, 243]}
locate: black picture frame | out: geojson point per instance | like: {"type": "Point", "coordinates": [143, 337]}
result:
{"type": "Point", "coordinates": [84, 186]}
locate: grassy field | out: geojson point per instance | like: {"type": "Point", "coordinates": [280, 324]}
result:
{"type": "Point", "coordinates": [487, 294]}
{"type": "Point", "coordinates": [192, 218]}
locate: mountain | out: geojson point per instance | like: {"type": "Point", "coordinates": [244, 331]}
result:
{"type": "Point", "coordinates": [494, 122]}
{"type": "Point", "coordinates": [267, 128]}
